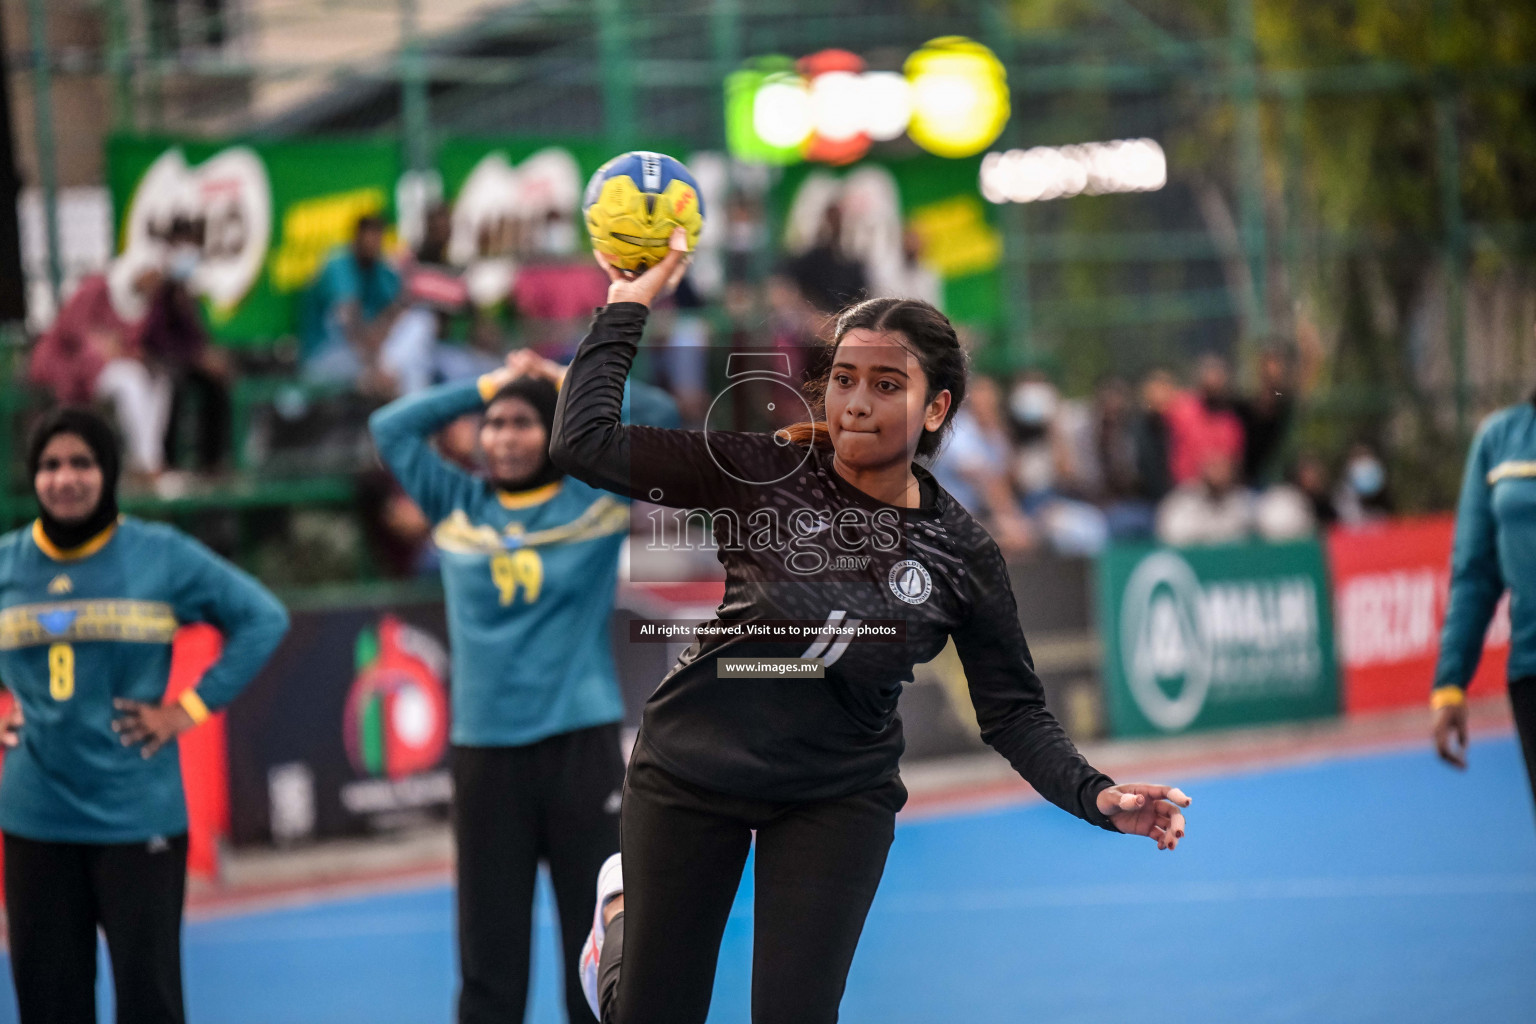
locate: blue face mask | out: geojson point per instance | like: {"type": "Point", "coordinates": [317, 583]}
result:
{"type": "Point", "coordinates": [1366, 477]}
{"type": "Point", "coordinates": [183, 263]}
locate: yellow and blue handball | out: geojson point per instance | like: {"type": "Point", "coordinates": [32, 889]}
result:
{"type": "Point", "coordinates": [633, 203]}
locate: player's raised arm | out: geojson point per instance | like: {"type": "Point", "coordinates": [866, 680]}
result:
{"type": "Point", "coordinates": [591, 441]}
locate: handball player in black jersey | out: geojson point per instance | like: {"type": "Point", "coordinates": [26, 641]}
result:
{"type": "Point", "coordinates": [809, 764]}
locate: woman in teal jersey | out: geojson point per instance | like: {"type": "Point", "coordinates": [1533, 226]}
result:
{"type": "Point", "coordinates": [91, 801]}
{"type": "Point", "coordinates": [529, 563]}
{"type": "Point", "coordinates": [1494, 550]}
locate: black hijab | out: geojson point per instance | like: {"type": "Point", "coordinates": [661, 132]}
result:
{"type": "Point", "coordinates": [542, 395]}
{"type": "Point", "coordinates": [100, 439]}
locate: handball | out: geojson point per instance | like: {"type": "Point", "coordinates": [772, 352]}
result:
{"type": "Point", "coordinates": [634, 202]}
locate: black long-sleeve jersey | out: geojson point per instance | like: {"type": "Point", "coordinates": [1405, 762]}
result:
{"type": "Point", "coordinates": [798, 542]}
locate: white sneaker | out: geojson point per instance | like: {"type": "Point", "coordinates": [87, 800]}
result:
{"type": "Point", "coordinates": [610, 883]}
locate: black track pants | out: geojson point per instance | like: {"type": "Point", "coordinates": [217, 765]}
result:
{"type": "Point", "coordinates": [556, 801]}
{"type": "Point", "coordinates": [56, 895]}
{"type": "Point", "coordinates": [818, 866]}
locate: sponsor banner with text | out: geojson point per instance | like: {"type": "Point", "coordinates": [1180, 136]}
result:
{"type": "Point", "coordinates": [1203, 638]}
{"type": "Point", "coordinates": [1390, 585]}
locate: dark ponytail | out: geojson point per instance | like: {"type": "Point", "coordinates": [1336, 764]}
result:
{"type": "Point", "coordinates": [934, 342]}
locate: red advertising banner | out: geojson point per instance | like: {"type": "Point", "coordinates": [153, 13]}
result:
{"type": "Point", "coordinates": [1390, 586]}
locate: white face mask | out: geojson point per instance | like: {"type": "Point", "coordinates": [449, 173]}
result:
{"type": "Point", "coordinates": [182, 262]}
{"type": "Point", "coordinates": [1032, 402]}
{"type": "Point", "coordinates": [559, 236]}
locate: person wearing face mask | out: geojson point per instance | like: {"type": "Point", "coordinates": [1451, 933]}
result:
{"type": "Point", "coordinates": [92, 353]}
{"type": "Point", "coordinates": [1363, 496]}
{"type": "Point", "coordinates": [91, 800]}
{"type": "Point", "coordinates": [529, 560]}
{"type": "Point", "coordinates": [1053, 464]}
{"type": "Point", "coordinates": [176, 342]}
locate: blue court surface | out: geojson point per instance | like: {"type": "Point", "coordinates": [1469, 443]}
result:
{"type": "Point", "coordinates": [1375, 888]}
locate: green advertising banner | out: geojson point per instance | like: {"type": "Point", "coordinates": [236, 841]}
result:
{"type": "Point", "coordinates": [937, 200]}
{"type": "Point", "coordinates": [269, 214]}
{"type": "Point", "coordinates": [1202, 638]}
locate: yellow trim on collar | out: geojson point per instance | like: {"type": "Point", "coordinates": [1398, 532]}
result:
{"type": "Point", "coordinates": [527, 499]}
{"type": "Point", "coordinates": [59, 554]}
{"type": "Point", "coordinates": [193, 705]}
{"type": "Point", "coordinates": [1447, 697]}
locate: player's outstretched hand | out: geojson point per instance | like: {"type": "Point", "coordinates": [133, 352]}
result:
{"type": "Point", "coordinates": [1451, 734]}
{"type": "Point", "coordinates": [153, 725]}
{"type": "Point", "coordinates": [658, 280]}
{"type": "Point", "coordinates": [1143, 809]}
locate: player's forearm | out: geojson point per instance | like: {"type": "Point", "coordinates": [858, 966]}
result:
{"type": "Point", "coordinates": [255, 629]}
{"type": "Point", "coordinates": [590, 440]}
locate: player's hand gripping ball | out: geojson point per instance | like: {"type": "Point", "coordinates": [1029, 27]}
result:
{"type": "Point", "coordinates": [632, 204]}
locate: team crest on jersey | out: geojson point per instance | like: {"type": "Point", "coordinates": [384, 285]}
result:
{"type": "Point", "coordinates": [61, 584]}
{"type": "Point", "coordinates": [910, 581]}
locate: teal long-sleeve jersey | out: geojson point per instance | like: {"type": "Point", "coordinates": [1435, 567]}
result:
{"type": "Point", "coordinates": [1495, 548]}
{"type": "Point", "coordinates": [529, 576]}
{"type": "Point", "coordinates": [81, 627]}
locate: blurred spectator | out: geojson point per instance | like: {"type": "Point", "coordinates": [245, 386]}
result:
{"type": "Point", "coordinates": [825, 274]}
{"type": "Point", "coordinates": [352, 330]}
{"type": "Point", "coordinates": [1204, 423]}
{"type": "Point", "coordinates": [973, 468]}
{"type": "Point", "coordinates": [1052, 456]}
{"type": "Point", "coordinates": [1213, 509]}
{"type": "Point", "coordinates": [92, 353]}
{"type": "Point", "coordinates": [176, 343]}
{"type": "Point", "coordinates": [555, 300]}
{"type": "Point", "coordinates": [438, 293]}
{"type": "Point", "coordinates": [398, 533]}
{"type": "Point", "coordinates": [1266, 417]}
{"type": "Point", "coordinates": [911, 278]}
{"type": "Point", "coordinates": [1033, 403]}
{"type": "Point", "coordinates": [1154, 474]}
{"type": "Point", "coordinates": [682, 366]}
{"type": "Point", "coordinates": [1116, 435]}
{"type": "Point", "coordinates": [1363, 495]}
{"type": "Point", "coordinates": [1310, 476]}
{"type": "Point", "coordinates": [1281, 512]}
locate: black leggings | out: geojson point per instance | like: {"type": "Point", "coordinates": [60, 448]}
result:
{"type": "Point", "coordinates": [1522, 699]}
{"type": "Point", "coordinates": [556, 801]}
{"type": "Point", "coordinates": [57, 893]}
{"type": "Point", "coordinates": [818, 866]}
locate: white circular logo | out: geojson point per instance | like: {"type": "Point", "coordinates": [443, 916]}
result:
{"type": "Point", "coordinates": [1164, 646]}
{"type": "Point", "coordinates": [910, 581]}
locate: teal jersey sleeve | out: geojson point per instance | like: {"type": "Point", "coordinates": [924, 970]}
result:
{"type": "Point", "coordinates": [1476, 579]}
{"type": "Point", "coordinates": [401, 430]}
{"type": "Point", "coordinates": [252, 621]}
{"type": "Point", "coordinates": [648, 406]}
